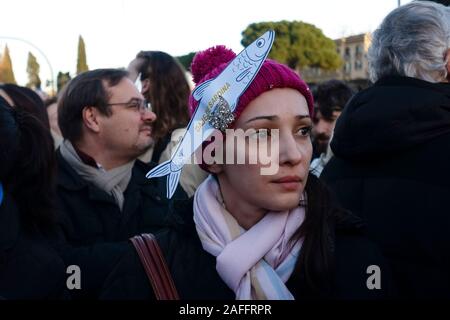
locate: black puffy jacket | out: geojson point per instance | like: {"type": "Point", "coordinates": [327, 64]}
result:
{"type": "Point", "coordinates": [95, 231]}
{"type": "Point", "coordinates": [392, 168]}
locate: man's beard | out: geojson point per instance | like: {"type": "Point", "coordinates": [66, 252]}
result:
{"type": "Point", "coordinates": [145, 147]}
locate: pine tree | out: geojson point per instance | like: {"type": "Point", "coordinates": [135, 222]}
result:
{"type": "Point", "coordinates": [186, 60]}
{"type": "Point", "coordinates": [6, 69]}
{"type": "Point", "coordinates": [81, 61]}
{"type": "Point", "coordinates": [34, 81]}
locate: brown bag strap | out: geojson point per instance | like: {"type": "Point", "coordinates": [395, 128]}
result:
{"type": "Point", "coordinates": [155, 266]}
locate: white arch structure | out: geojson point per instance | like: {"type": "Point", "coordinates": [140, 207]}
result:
{"type": "Point", "coordinates": [41, 53]}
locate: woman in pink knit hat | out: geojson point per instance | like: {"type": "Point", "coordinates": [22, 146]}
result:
{"type": "Point", "coordinates": [246, 235]}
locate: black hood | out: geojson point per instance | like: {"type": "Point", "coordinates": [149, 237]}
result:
{"type": "Point", "coordinates": [395, 114]}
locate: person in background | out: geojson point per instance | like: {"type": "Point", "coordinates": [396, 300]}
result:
{"type": "Point", "coordinates": [52, 112]}
{"type": "Point", "coordinates": [330, 98]}
{"type": "Point", "coordinates": [103, 195]}
{"type": "Point", "coordinates": [30, 268]}
{"type": "Point", "coordinates": [27, 100]}
{"type": "Point", "coordinates": [165, 87]}
{"type": "Point", "coordinates": [391, 163]}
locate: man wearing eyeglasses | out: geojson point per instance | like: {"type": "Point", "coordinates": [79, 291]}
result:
{"type": "Point", "coordinates": [104, 196]}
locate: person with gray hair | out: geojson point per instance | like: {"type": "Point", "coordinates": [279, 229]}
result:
{"type": "Point", "coordinates": [391, 164]}
{"type": "Point", "coordinates": [412, 41]}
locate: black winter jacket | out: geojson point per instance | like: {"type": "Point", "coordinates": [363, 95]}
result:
{"type": "Point", "coordinates": [392, 168]}
{"type": "Point", "coordinates": [29, 267]}
{"type": "Point", "coordinates": [194, 273]}
{"type": "Point", "coordinates": [94, 228]}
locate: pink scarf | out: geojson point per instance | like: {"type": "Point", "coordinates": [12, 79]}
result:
{"type": "Point", "coordinates": [254, 263]}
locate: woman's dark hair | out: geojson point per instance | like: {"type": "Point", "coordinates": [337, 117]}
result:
{"type": "Point", "coordinates": [28, 100]}
{"type": "Point", "coordinates": [31, 178]}
{"type": "Point", "coordinates": [332, 96]}
{"type": "Point", "coordinates": [168, 93]}
{"type": "Point", "coordinates": [322, 216]}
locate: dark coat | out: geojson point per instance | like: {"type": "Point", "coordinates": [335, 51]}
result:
{"type": "Point", "coordinates": [194, 273]}
{"type": "Point", "coordinates": [29, 267]}
{"type": "Point", "coordinates": [392, 168]}
{"type": "Point", "coordinates": [95, 228]}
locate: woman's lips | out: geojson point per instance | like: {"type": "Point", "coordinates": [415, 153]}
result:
{"type": "Point", "coordinates": [289, 183]}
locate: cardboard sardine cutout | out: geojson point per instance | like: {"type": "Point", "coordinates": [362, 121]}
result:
{"type": "Point", "coordinates": [218, 98]}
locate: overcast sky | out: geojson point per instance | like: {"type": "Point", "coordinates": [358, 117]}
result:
{"type": "Point", "coordinates": [115, 30]}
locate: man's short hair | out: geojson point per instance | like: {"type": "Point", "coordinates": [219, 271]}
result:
{"type": "Point", "coordinates": [87, 89]}
{"type": "Point", "coordinates": [332, 96]}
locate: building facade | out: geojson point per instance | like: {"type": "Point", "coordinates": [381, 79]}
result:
{"type": "Point", "coordinates": [355, 68]}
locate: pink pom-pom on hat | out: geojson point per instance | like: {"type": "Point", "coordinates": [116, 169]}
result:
{"type": "Point", "coordinates": [206, 61]}
{"type": "Point", "coordinates": [209, 63]}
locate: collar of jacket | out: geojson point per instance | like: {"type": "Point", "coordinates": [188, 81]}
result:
{"type": "Point", "coordinates": [393, 115]}
{"type": "Point", "coordinates": [396, 81]}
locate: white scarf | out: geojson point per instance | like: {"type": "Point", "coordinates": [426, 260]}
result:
{"type": "Point", "coordinates": [254, 263]}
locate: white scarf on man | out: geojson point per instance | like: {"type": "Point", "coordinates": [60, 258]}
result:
{"type": "Point", "coordinates": [113, 182]}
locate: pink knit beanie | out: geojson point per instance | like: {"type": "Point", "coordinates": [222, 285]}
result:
{"type": "Point", "coordinates": [211, 62]}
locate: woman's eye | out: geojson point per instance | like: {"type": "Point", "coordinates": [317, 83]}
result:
{"type": "Point", "coordinates": [260, 134]}
{"type": "Point", "coordinates": [305, 131]}
{"type": "Point", "coordinates": [264, 133]}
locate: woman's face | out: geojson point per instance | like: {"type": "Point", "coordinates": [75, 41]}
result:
{"type": "Point", "coordinates": [244, 187]}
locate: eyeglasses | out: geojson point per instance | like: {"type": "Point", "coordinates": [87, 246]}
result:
{"type": "Point", "coordinates": [141, 105]}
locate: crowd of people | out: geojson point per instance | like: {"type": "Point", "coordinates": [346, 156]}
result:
{"type": "Point", "coordinates": [351, 213]}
